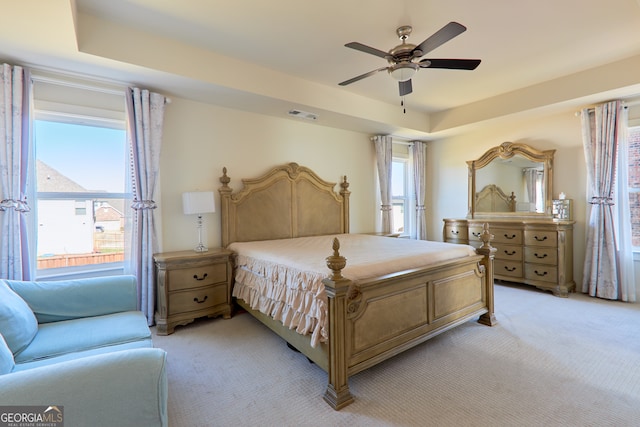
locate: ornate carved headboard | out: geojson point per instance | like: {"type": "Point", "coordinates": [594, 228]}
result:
{"type": "Point", "coordinates": [288, 201]}
{"type": "Point", "coordinates": [492, 199]}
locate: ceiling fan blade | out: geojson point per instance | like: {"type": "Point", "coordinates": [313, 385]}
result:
{"type": "Point", "coordinates": [440, 37]}
{"type": "Point", "coordinates": [362, 76]}
{"type": "Point", "coordinates": [405, 87]}
{"type": "Point", "coordinates": [367, 49]}
{"type": "Point", "coordinates": [451, 64]}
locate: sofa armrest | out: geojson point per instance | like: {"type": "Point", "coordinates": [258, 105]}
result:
{"type": "Point", "coordinates": [71, 299]}
{"type": "Point", "coordinates": [126, 387]}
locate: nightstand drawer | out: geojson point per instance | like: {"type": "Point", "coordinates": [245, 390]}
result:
{"type": "Point", "coordinates": [196, 277]}
{"type": "Point", "coordinates": [197, 299]}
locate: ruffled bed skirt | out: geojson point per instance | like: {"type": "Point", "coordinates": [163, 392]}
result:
{"type": "Point", "coordinates": [296, 298]}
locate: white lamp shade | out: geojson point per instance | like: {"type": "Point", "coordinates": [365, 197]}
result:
{"type": "Point", "coordinates": [198, 202]}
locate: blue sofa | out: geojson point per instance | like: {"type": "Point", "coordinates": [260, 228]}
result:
{"type": "Point", "coordinates": [81, 345]}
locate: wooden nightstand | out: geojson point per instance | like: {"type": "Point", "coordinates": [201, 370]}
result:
{"type": "Point", "coordinates": [191, 285]}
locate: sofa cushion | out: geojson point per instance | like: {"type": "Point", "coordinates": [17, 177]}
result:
{"type": "Point", "coordinates": [18, 324]}
{"type": "Point", "coordinates": [24, 366]}
{"type": "Point", "coordinates": [6, 357]}
{"type": "Point", "coordinates": [77, 335]}
{"type": "Point", "coordinates": [52, 301]}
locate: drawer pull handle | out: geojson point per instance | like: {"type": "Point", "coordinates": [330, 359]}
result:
{"type": "Point", "coordinates": [510, 269]}
{"type": "Point", "coordinates": [544, 273]}
{"type": "Point", "coordinates": [509, 253]}
{"type": "Point", "coordinates": [540, 239]}
{"type": "Point", "coordinates": [200, 302]}
{"type": "Point", "coordinates": [513, 236]}
{"type": "Point", "coordinates": [540, 256]}
{"type": "Point", "coordinates": [195, 276]}
{"type": "Point", "coordinates": [456, 232]}
{"type": "Point", "coordinates": [477, 234]}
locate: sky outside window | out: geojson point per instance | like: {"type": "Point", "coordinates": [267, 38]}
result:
{"type": "Point", "coordinates": [93, 157]}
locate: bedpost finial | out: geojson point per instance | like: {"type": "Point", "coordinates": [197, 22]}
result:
{"type": "Point", "coordinates": [336, 262]}
{"type": "Point", "coordinates": [224, 179]}
{"type": "Point", "coordinates": [486, 236]}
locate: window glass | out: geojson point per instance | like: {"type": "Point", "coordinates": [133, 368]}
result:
{"type": "Point", "coordinates": [400, 201]}
{"type": "Point", "coordinates": [80, 186]}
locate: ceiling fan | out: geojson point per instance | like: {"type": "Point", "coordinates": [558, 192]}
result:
{"type": "Point", "coordinates": [404, 59]}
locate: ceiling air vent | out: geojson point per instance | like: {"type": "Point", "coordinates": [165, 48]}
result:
{"type": "Point", "coordinates": [303, 114]}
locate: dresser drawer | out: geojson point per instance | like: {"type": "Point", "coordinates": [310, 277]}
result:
{"type": "Point", "coordinates": [509, 252]}
{"type": "Point", "coordinates": [541, 255]}
{"type": "Point", "coordinates": [508, 268]}
{"type": "Point", "coordinates": [475, 231]}
{"type": "Point", "coordinates": [197, 299]}
{"type": "Point", "coordinates": [542, 272]}
{"type": "Point", "coordinates": [540, 238]}
{"type": "Point", "coordinates": [507, 235]}
{"type": "Point", "coordinates": [455, 232]}
{"type": "Point", "coordinates": [195, 277]}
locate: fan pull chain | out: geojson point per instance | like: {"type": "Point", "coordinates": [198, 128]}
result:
{"type": "Point", "coordinates": [404, 110]}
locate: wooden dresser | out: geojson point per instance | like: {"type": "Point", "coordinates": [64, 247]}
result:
{"type": "Point", "coordinates": [536, 252]}
{"type": "Point", "coordinates": [191, 285]}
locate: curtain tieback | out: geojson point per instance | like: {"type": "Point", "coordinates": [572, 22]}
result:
{"type": "Point", "coordinates": [420, 207]}
{"type": "Point", "coordinates": [143, 204]}
{"type": "Point", "coordinates": [18, 205]}
{"type": "Point", "coordinates": [601, 201]}
{"type": "Point", "coordinates": [385, 208]}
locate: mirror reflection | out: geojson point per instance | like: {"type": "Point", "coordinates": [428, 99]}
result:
{"type": "Point", "coordinates": [510, 185]}
{"type": "Point", "coordinates": [511, 179]}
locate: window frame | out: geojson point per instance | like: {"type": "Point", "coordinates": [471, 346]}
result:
{"type": "Point", "coordinates": [74, 114]}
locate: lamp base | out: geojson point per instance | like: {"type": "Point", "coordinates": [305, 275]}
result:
{"type": "Point", "coordinates": [201, 248]}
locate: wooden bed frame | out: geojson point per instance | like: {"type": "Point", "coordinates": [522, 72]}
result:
{"type": "Point", "coordinates": [373, 320]}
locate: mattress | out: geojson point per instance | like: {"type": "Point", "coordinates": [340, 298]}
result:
{"type": "Point", "coordinates": [283, 278]}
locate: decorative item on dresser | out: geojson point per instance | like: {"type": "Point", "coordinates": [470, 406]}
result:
{"type": "Point", "coordinates": [191, 285]}
{"type": "Point", "coordinates": [534, 244]}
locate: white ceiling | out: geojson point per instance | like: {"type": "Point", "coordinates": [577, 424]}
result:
{"type": "Point", "coordinates": [271, 56]}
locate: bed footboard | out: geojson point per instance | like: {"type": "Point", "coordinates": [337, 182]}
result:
{"type": "Point", "coordinates": [372, 321]}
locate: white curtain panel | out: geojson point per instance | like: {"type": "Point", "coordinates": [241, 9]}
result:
{"type": "Point", "coordinates": [601, 135]}
{"type": "Point", "coordinates": [145, 115]}
{"type": "Point", "coordinates": [530, 179]}
{"type": "Point", "coordinates": [419, 149]}
{"type": "Point", "coordinates": [384, 153]}
{"type": "Point", "coordinates": [15, 125]}
{"type": "Point", "coordinates": [623, 215]}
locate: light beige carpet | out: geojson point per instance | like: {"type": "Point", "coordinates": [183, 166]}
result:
{"type": "Point", "coordinates": [549, 362]}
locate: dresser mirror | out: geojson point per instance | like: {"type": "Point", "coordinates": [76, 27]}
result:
{"type": "Point", "coordinates": [511, 180]}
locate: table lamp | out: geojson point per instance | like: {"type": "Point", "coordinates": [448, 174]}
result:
{"type": "Point", "coordinates": [198, 203]}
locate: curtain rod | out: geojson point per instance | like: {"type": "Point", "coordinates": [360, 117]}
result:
{"type": "Point", "coordinates": [77, 85]}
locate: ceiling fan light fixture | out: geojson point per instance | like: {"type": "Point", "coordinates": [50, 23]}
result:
{"type": "Point", "coordinates": [403, 71]}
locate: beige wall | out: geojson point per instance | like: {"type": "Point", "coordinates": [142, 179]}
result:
{"type": "Point", "coordinates": [448, 177]}
{"type": "Point", "coordinates": [200, 139]}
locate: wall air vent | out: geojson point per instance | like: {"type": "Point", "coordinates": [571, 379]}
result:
{"type": "Point", "coordinates": [303, 115]}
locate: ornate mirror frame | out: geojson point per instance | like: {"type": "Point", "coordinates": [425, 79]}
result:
{"type": "Point", "coordinates": [507, 150]}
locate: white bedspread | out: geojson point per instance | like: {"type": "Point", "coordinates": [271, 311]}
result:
{"type": "Point", "coordinates": [283, 278]}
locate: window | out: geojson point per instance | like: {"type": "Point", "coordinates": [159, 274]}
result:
{"type": "Point", "coordinates": [402, 201]}
{"type": "Point", "coordinates": [81, 161]}
{"type": "Point", "coordinates": [634, 185]}
{"type": "Point", "coordinates": [399, 200]}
